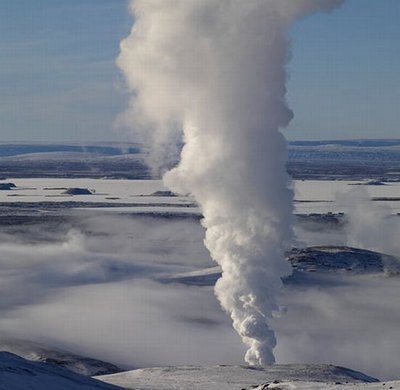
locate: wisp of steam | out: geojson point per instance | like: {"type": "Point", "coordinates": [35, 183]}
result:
{"type": "Point", "coordinates": [211, 73]}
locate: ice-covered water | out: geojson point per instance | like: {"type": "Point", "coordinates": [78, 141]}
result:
{"type": "Point", "coordinates": [311, 196]}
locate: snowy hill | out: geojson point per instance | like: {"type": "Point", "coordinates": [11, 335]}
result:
{"type": "Point", "coordinates": [17, 373]}
{"type": "Point", "coordinates": [342, 259]}
{"type": "Point", "coordinates": [326, 260]}
{"type": "Point", "coordinates": [232, 377]}
{"type": "Point", "coordinates": [38, 352]}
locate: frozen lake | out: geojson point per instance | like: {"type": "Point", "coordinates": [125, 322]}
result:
{"type": "Point", "coordinates": [314, 196]}
{"type": "Point", "coordinates": [311, 196]}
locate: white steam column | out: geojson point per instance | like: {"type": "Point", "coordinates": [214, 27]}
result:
{"type": "Point", "coordinates": [215, 69]}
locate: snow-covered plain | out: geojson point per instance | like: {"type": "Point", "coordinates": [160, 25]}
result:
{"type": "Point", "coordinates": [335, 196]}
{"type": "Point", "coordinates": [311, 196]}
{"type": "Point", "coordinates": [232, 377]}
{"type": "Point", "coordinates": [109, 191]}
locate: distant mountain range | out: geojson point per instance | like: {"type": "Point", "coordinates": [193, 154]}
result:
{"type": "Point", "coordinates": [354, 142]}
{"type": "Point", "coordinates": [336, 159]}
{"type": "Point", "coordinates": [103, 149]}
{"type": "Point", "coordinates": [117, 148]}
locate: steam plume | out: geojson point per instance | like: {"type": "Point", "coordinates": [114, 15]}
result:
{"type": "Point", "coordinates": [215, 69]}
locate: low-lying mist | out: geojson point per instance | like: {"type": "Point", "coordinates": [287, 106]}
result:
{"type": "Point", "coordinates": [93, 290]}
{"type": "Point", "coordinates": [351, 322]}
{"type": "Point", "coordinates": [90, 285]}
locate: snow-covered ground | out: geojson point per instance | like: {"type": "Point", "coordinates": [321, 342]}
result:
{"type": "Point", "coordinates": [17, 373]}
{"type": "Point", "coordinates": [232, 377]}
{"type": "Point", "coordinates": [311, 196]}
{"type": "Point", "coordinates": [110, 191]}
{"type": "Point", "coordinates": [395, 385]}
{"type": "Point", "coordinates": [314, 196]}
{"type": "Point", "coordinates": [57, 357]}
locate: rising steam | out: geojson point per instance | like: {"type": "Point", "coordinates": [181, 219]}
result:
{"type": "Point", "coordinates": [215, 69]}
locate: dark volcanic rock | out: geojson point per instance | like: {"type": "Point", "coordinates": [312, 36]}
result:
{"type": "Point", "coordinates": [77, 191]}
{"type": "Point", "coordinates": [7, 186]}
{"type": "Point", "coordinates": [334, 259]}
{"type": "Point", "coordinates": [163, 193]}
{"type": "Point", "coordinates": [369, 183]}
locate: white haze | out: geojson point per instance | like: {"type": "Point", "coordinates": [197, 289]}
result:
{"type": "Point", "coordinates": [371, 225]}
{"type": "Point", "coordinates": [215, 70]}
{"type": "Point", "coordinates": [350, 322]}
{"type": "Point", "coordinates": [93, 290]}
{"type": "Point", "coordinates": [365, 224]}
{"type": "Point", "coordinates": [95, 249]}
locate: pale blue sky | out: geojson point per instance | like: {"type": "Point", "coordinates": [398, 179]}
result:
{"type": "Point", "coordinates": [58, 80]}
{"type": "Point", "coordinates": [345, 73]}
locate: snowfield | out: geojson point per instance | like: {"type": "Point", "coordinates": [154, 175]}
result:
{"type": "Point", "coordinates": [395, 385]}
{"type": "Point", "coordinates": [311, 196]}
{"type": "Point", "coordinates": [20, 374]}
{"type": "Point", "coordinates": [230, 377]}
{"type": "Point", "coordinates": [17, 373]}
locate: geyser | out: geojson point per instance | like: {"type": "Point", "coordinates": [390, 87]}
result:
{"type": "Point", "coordinates": [214, 70]}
